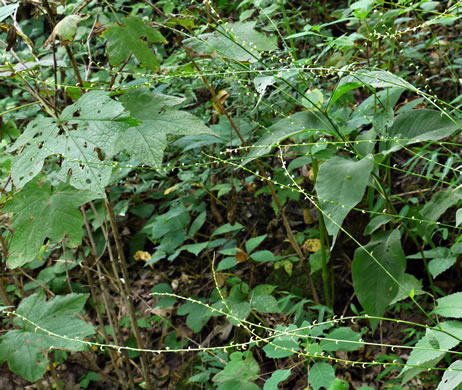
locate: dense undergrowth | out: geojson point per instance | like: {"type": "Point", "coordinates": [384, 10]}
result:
{"type": "Point", "coordinates": [230, 195]}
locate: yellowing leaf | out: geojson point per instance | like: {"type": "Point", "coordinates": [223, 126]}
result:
{"type": "Point", "coordinates": [220, 100]}
{"type": "Point", "coordinates": [170, 190]}
{"type": "Point", "coordinates": [66, 29]}
{"type": "Point", "coordinates": [307, 216]}
{"type": "Point", "coordinates": [142, 255]}
{"type": "Point", "coordinates": [312, 245]}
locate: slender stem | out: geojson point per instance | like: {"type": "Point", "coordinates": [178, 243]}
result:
{"type": "Point", "coordinates": [110, 315]}
{"type": "Point", "coordinates": [127, 293]}
{"type": "Point", "coordinates": [262, 169]}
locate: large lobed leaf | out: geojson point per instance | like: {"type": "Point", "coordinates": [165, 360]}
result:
{"type": "Point", "coordinates": [147, 141]}
{"type": "Point", "coordinates": [25, 348]}
{"type": "Point", "coordinates": [237, 41]}
{"type": "Point", "coordinates": [132, 37]}
{"type": "Point", "coordinates": [41, 213]}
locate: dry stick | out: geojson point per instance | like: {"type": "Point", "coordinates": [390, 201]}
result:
{"type": "Point", "coordinates": [101, 320]}
{"type": "Point", "coordinates": [115, 334]}
{"type": "Point", "coordinates": [260, 166]}
{"type": "Point", "coordinates": [126, 292]}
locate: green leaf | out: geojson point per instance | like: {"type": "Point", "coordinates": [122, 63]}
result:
{"type": "Point", "coordinates": [42, 213]}
{"type": "Point", "coordinates": [241, 370]}
{"type": "Point", "coordinates": [99, 122]}
{"type": "Point", "coordinates": [197, 223]}
{"type": "Point", "coordinates": [439, 265]}
{"type": "Point", "coordinates": [24, 348]}
{"type": "Point", "coordinates": [409, 285]}
{"type": "Point", "coordinates": [452, 377]}
{"type": "Point", "coordinates": [275, 378]}
{"type": "Point", "coordinates": [263, 256]}
{"type": "Point", "coordinates": [339, 384]}
{"type": "Point", "coordinates": [374, 79]}
{"type": "Point", "coordinates": [340, 186]}
{"type": "Point", "coordinates": [435, 208]}
{"type": "Point", "coordinates": [195, 249]}
{"type": "Point", "coordinates": [458, 217]}
{"type": "Point", "coordinates": [264, 303]}
{"type": "Point", "coordinates": [133, 37]}
{"type": "Point", "coordinates": [321, 375]}
{"type": "Point", "coordinates": [424, 355]}
{"type": "Point", "coordinates": [197, 315]}
{"type": "Point", "coordinates": [374, 288]}
{"type": "Point", "coordinates": [237, 41]}
{"type": "Point", "coordinates": [340, 338]}
{"type": "Point", "coordinates": [253, 243]}
{"type": "Point", "coordinates": [417, 126]}
{"type": "Point", "coordinates": [302, 122]}
{"type": "Point", "coordinates": [147, 141]}
{"type": "Point", "coordinates": [226, 228]}
{"type": "Point", "coordinates": [376, 223]}
{"type": "Point", "coordinates": [450, 306]}
{"type": "Point", "coordinates": [282, 346]}
{"type": "Point", "coordinates": [7, 11]}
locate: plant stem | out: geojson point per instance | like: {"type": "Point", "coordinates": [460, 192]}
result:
{"type": "Point", "coordinates": [127, 293]}
{"type": "Point", "coordinates": [290, 234]}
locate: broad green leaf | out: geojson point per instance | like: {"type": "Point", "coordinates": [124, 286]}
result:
{"type": "Point", "coordinates": [42, 213]}
{"type": "Point", "coordinates": [94, 123]}
{"type": "Point", "coordinates": [340, 186]}
{"type": "Point", "coordinates": [275, 378]}
{"type": "Point", "coordinates": [263, 256]}
{"type": "Point", "coordinates": [197, 315]}
{"type": "Point", "coordinates": [435, 208]}
{"type": "Point", "coordinates": [339, 384]}
{"type": "Point", "coordinates": [374, 288]}
{"type": "Point", "coordinates": [7, 11]}
{"type": "Point", "coordinates": [408, 285]}
{"type": "Point", "coordinates": [449, 306]}
{"type": "Point", "coordinates": [166, 301]}
{"type": "Point", "coordinates": [236, 41]}
{"type": "Point", "coordinates": [226, 228]}
{"type": "Point", "coordinates": [195, 249]}
{"type": "Point", "coordinates": [302, 122]}
{"type": "Point", "coordinates": [241, 370]}
{"type": "Point", "coordinates": [253, 243]}
{"type": "Point", "coordinates": [374, 79]}
{"type": "Point", "coordinates": [339, 340]}
{"type": "Point", "coordinates": [24, 348]}
{"type": "Point", "coordinates": [425, 355]}
{"type": "Point", "coordinates": [147, 141]}
{"type": "Point", "coordinates": [438, 265]}
{"type": "Point", "coordinates": [321, 375]}
{"type": "Point", "coordinates": [283, 346]}
{"type": "Point", "coordinates": [452, 377]}
{"type": "Point", "coordinates": [417, 126]}
{"type": "Point", "coordinates": [458, 217]}
{"type": "Point", "coordinates": [264, 303]}
{"type": "Point", "coordinates": [133, 36]}
{"type": "Point", "coordinates": [28, 164]}
{"type": "Point", "coordinates": [197, 223]}
{"type": "Point", "coordinates": [376, 223]}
